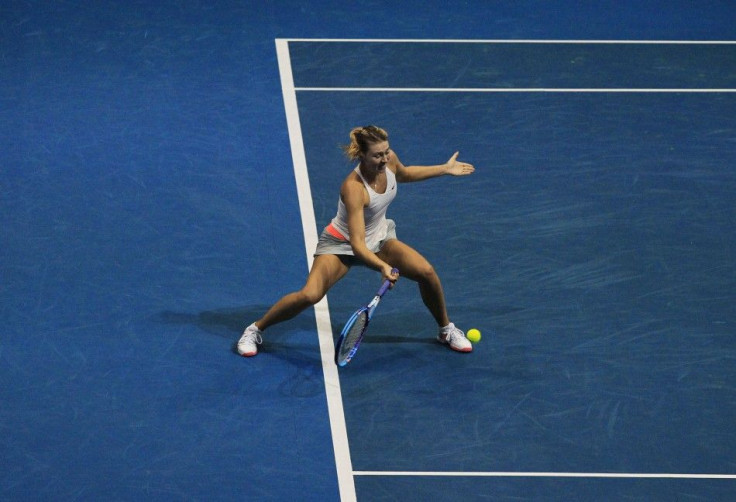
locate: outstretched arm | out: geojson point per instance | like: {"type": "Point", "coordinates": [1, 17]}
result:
{"type": "Point", "coordinates": [453, 167]}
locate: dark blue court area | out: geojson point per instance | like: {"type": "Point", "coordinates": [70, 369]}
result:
{"type": "Point", "coordinates": [154, 208]}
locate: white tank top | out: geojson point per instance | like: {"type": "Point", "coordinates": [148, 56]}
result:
{"type": "Point", "coordinates": [374, 213]}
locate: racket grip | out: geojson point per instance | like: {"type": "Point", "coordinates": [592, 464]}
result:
{"type": "Point", "coordinates": [387, 283]}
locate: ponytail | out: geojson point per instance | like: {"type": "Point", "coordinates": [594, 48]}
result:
{"type": "Point", "coordinates": [361, 138]}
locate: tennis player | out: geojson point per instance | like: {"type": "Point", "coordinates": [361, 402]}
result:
{"type": "Point", "coordinates": [360, 233]}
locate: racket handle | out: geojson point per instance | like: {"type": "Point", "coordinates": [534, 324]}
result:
{"type": "Point", "coordinates": [387, 283]}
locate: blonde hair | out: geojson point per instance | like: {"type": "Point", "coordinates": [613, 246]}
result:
{"type": "Point", "coordinates": [361, 138]}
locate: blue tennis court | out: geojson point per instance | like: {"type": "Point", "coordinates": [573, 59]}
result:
{"type": "Point", "coordinates": [167, 169]}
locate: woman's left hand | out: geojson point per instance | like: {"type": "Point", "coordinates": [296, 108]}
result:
{"type": "Point", "coordinates": [458, 168]}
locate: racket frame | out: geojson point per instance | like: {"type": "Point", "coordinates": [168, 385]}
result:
{"type": "Point", "coordinates": [368, 311]}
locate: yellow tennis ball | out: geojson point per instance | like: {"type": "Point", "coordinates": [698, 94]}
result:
{"type": "Point", "coordinates": [473, 335]}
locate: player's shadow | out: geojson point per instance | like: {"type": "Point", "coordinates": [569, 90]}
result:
{"type": "Point", "coordinates": [303, 381]}
{"type": "Point", "coordinates": [229, 323]}
{"type": "Point", "coordinates": [393, 327]}
{"type": "Point", "coordinates": [222, 322]}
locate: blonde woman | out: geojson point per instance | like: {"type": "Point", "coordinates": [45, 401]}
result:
{"type": "Point", "coordinates": [360, 233]}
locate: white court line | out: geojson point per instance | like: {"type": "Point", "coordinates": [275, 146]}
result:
{"type": "Point", "coordinates": [507, 41]}
{"type": "Point", "coordinates": [502, 90]}
{"type": "Point", "coordinates": [616, 475]}
{"type": "Point", "coordinates": [344, 465]}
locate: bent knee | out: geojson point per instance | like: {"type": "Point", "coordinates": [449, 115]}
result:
{"type": "Point", "coordinates": [426, 273]}
{"type": "Point", "coordinates": [311, 296]}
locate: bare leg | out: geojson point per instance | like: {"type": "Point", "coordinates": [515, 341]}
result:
{"type": "Point", "coordinates": [326, 271]}
{"type": "Point", "coordinates": [414, 266]}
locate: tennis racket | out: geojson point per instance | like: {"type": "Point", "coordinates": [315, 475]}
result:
{"type": "Point", "coordinates": [352, 334]}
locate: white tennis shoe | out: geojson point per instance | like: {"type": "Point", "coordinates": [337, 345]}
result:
{"type": "Point", "coordinates": [249, 341]}
{"type": "Point", "coordinates": [455, 338]}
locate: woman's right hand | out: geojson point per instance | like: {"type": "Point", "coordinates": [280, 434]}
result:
{"type": "Point", "coordinates": [390, 273]}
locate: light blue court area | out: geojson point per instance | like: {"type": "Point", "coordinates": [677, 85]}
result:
{"type": "Point", "coordinates": [167, 165]}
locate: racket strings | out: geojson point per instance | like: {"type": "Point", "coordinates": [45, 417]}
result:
{"type": "Point", "coordinates": [352, 337]}
{"type": "Point", "coordinates": [357, 328]}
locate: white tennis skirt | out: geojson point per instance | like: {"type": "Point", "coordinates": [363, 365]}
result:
{"type": "Point", "coordinates": [332, 242]}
